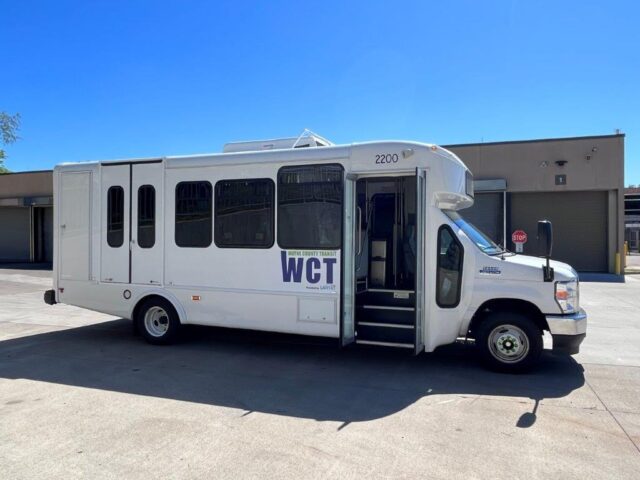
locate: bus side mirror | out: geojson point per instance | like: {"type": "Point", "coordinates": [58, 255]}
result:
{"type": "Point", "coordinates": [545, 238]}
{"type": "Point", "coordinates": [545, 245]}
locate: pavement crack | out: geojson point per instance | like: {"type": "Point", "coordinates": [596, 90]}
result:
{"type": "Point", "coordinates": [612, 416]}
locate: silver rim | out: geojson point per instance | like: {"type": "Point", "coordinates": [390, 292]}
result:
{"type": "Point", "coordinates": [156, 321]}
{"type": "Point", "coordinates": [508, 344]}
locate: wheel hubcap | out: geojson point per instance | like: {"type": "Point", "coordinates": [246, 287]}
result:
{"type": "Point", "coordinates": [156, 321]}
{"type": "Point", "coordinates": [508, 343]}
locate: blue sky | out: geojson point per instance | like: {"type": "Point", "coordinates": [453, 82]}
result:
{"type": "Point", "coordinates": [118, 79]}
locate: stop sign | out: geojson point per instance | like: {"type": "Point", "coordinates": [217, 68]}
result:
{"type": "Point", "coordinates": [519, 236]}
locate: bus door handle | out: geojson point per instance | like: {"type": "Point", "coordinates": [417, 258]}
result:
{"type": "Point", "coordinates": [359, 220]}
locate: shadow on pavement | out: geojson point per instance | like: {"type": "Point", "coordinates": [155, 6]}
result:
{"type": "Point", "coordinates": [270, 373]}
{"type": "Point", "coordinates": [600, 277]}
{"type": "Point", "coordinates": [26, 266]}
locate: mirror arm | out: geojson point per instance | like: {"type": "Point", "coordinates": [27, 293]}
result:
{"type": "Point", "coordinates": [547, 272]}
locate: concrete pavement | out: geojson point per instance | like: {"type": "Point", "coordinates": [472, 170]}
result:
{"type": "Point", "coordinates": [80, 396]}
{"type": "Point", "coordinates": [632, 263]}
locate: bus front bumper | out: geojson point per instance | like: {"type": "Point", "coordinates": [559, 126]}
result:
{"type": "Point", "coordinates": [568, 331]}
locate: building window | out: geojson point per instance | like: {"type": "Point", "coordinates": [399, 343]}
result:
{"type": "Point", "coordinates": [310, 207]}
{"type": "Point", "coordinates": [193, 214]}
{"type": "Point", "coordinates": [244, 213]}
{"type": "Point", "coordinates": [449, 276]}
{"type": "Point", "coordinates": [146, 216]}
{"type": "Point", "coordinates": [115, 217]}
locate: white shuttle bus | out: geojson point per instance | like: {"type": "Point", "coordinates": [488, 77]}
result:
{"type": "Point", "coordinates": [365, 243]}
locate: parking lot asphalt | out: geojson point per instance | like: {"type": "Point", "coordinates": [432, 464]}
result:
{"type": "Point", "coordinates": [82, 397]}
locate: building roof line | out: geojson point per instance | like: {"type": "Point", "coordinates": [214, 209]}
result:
{"type": "Point", "coordinates": [557, 139]}
{"type": "Point", "coordinates": [25, 171]}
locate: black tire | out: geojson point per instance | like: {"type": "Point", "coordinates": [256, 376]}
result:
{"type": "Point", "coordinates": [509, 342]}
{"type": "Point", "coordinates": [157, 321]}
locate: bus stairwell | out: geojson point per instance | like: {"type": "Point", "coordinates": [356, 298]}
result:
{"type": "Point", "coordinates": [385, 262]}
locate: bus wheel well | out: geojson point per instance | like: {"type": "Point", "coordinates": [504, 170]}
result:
{"type": "Point", "coordinates": [142, 300]}
{"type": "Point", "coordinates": [507, 305]}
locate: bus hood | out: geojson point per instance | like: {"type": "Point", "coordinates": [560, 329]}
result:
{"type": "Point", "coordinates": [524, 267]}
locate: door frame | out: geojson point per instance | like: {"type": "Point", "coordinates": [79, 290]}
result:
{"type": "Point", "coordinates": [348, 284]}
{"type": "Point", "coordinates": [130, 216]}
{"type": "Point", "coordinates": [60, 229]}
{"type": "Point", "coordinates": [147, 262]}
{"type": "Point", "coordinates": [419, 287]}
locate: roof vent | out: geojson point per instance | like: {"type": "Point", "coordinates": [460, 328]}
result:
{"type": "Point", "coordinates": [305, 140]}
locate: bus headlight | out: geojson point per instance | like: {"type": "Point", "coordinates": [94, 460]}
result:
{"type": "Point", "coordinates": [567, 296]}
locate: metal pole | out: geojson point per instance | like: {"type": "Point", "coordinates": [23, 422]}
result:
{"type": "Point", "coordinates": [504, 219]}
{"type": "Point", "coordinates": [395, 236]}
{"type": "Point", "coordinates": [31, 235]}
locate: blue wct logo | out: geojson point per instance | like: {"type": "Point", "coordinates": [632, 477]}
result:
{"type": "Point", "coordinates": [293, 267]}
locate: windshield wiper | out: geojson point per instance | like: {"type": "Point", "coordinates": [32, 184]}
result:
{"type": "Point", "coordinates": [502, 251]}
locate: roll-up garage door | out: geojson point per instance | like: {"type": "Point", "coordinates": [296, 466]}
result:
{"type": "Point", "coordinates": [579, 226]}
{"type": "Point", "coordinates": [15, 228]}
{"type": "Point", "coordinates": [487, 214]}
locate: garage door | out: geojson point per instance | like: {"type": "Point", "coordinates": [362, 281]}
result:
{"type": "Point", "coordinates": [579, 226]}
{"type": "Point", "coordinates": [486, 214]}
{"type": "Point", "coordinates": [15, 225]}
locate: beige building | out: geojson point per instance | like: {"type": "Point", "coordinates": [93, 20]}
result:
{"type": "Point", "coordinates": [577, 183]}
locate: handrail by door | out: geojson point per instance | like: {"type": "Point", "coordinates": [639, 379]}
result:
{"type": "Point", "coordinates": [359, 220]}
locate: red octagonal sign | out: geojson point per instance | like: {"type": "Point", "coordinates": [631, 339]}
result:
{"type": "Point", "coordinates": [519, 236]}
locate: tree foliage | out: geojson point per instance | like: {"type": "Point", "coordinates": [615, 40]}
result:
{"type": "Point", "coordinates": [9, 126]}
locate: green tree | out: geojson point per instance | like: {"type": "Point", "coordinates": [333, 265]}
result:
{"type": "Point", "coordinates": [9, 126]}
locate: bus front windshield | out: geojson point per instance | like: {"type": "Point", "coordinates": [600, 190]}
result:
{"type": "Point", "coordinates": [483, 242]}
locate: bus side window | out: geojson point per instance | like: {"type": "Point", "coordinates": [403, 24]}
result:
{"type": "Point", "coordinates": [193, 214]}
{"type": "Point", "coordinates": [310, 207]}
{"type": "Point", "coordinates": [449, 276]}
{"type": "Point", "coordinates": [115, 217]}
{"type": "Point", "coordinates": [146, 216]}
{"type": "Point", "coordinates": [244, 213]}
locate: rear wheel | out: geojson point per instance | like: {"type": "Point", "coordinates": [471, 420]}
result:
{"type": "Point", "coordinates": [509, 342]}
{"type": "Point", "coordinates": [158, 321]}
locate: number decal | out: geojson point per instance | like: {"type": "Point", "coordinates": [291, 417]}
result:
{"type": "Point", "coordinates": [384, 158]}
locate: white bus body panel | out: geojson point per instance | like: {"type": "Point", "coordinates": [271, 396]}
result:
{"type": "Point", "coordinates": [245, 287]}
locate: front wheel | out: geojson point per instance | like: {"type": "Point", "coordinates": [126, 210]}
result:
{"type": "Point", "coordinates": [509, 342]}
{"type": "Point", "coordinates": [158, 321]}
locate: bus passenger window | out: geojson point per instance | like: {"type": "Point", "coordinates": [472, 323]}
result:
{"type": "Point", "coordinates": [244, 213]}
{"type": "Point", "coordinates": [449, 276]}
{"type": "Point", "coordinates": [310, 207]}
{"type": "Point", "coordinates": [146, 216]}
{"type": "Point", "coordinates": [115, 217]}
{"type": "Point", "coordinates": [193, 214]}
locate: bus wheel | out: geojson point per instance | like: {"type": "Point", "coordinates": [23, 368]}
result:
{"type": "Point", "coordinates": [509, 342]}
{"type": "Point", "coordinates": [158, 321]}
